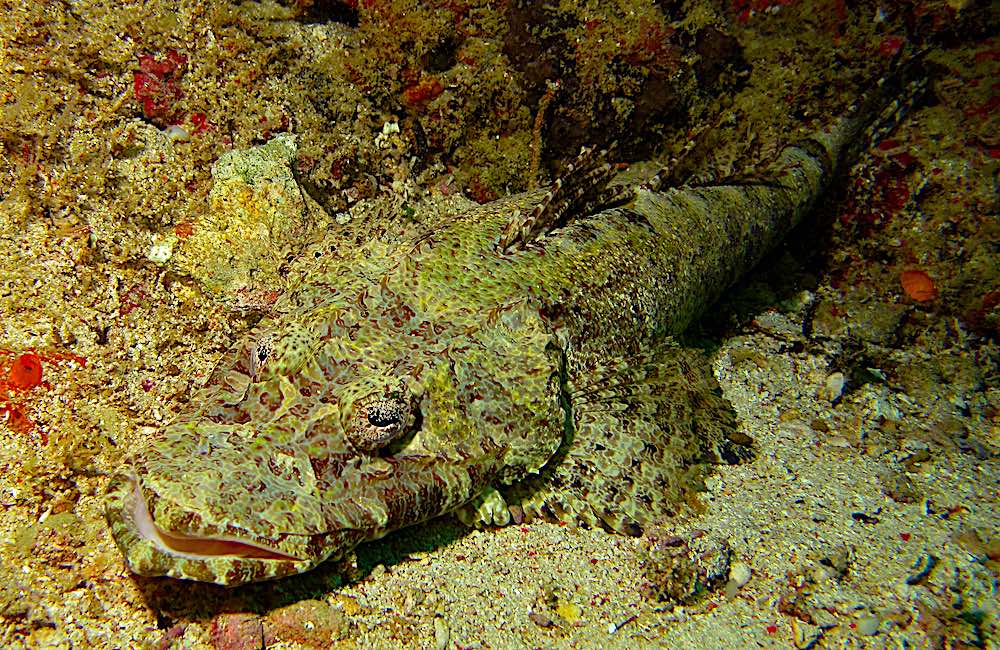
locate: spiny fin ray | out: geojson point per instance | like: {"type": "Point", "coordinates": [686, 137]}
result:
{"type": "Point", "coordinates": [582, 189]}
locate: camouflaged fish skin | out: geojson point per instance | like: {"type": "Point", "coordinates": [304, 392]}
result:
{"type": "Point", "coordinates": [402, 381]}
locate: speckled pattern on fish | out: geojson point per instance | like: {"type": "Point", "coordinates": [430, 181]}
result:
{"type": "Point", "coordinates": [402, 381]}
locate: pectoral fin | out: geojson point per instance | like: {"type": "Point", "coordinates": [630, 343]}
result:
{"type": "Point", "coordinates": [645, 433]}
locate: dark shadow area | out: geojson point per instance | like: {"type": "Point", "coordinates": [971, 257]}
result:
{"type": "Point", "coordinates": [329, 11]}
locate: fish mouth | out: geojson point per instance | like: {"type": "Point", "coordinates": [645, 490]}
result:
{"type": "Point", "coordinates": [150, 550]}
{"type": "Point", "coordinates": [194, 546]}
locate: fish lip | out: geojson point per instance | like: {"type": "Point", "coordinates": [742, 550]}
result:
{"type": "Point", "coordinates": [184, 544]}
{"type": "Point", "coordinates": [150, 555]}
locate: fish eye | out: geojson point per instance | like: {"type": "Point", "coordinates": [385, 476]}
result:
{"type": "Point", "coordinates": [384, 414]}
{"type": "Point", "coordinates": [261, 350]}
{"type": "Point", "coordinates": [379, 422]}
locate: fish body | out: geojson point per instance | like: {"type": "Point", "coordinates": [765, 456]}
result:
{"type": "Point", "coordinates": [402, 381]}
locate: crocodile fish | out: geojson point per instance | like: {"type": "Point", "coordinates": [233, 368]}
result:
{"type": "Point", "coordinates": [520, 352]}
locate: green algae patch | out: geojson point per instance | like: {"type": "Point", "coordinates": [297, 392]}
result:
{"type": "Point", "coordinates": [257, 217]}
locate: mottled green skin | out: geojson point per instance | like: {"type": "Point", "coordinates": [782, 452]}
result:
{"type": "Point", "coordinates": [501, 363]}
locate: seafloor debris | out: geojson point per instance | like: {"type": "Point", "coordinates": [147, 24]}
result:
{"type": "Point", "coordinates": [18, 377]}
{"type": "Point", "coordinates": [680, 569]}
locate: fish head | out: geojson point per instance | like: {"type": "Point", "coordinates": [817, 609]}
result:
{"type": "Point", "coordinates": [281, 465]}
{"type": "Point", "coordinates": [398, 395]}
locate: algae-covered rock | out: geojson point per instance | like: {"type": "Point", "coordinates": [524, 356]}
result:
{"type": "Point", "coordinates": [257, 217]}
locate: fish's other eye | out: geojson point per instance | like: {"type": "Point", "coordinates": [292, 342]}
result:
{"type": "Point", "coordinates": [260, 352]}
{"type": "Point", "coordinates": [380, 422]}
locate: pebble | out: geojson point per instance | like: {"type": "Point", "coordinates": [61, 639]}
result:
{"type": "Point", "coordinates": [161, 251]}
{"type": "Point", "coordinates": [441, 634]}
{"type": "Point", "coordinates": [739, 575]}
{"type": "Point", "coordinates": [868, 625]}
{"type": "Point", "coordinates": [833, 386]}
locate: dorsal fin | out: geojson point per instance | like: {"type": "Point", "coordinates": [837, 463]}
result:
{"type": "Point", "coordinates": [582, 189]}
